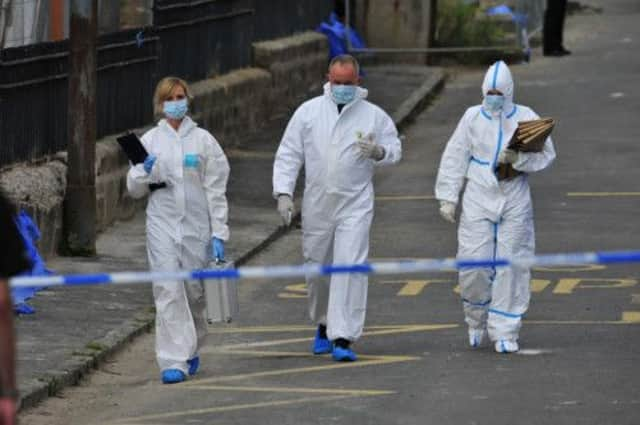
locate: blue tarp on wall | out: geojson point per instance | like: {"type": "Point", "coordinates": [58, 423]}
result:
{"type": "Point", "coordinates": [30, 235]}
{"type": "Point", "coordinates": [336, 33]}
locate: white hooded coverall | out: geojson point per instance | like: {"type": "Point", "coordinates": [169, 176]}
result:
{"type": "Point", "coordinates": [181, 220]}
{"type": "Point", "coordinates": [497, 216]}
{"type": "Point", "coordinates": [337, 206]}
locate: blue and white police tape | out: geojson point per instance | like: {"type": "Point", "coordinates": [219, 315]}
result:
{"type": "Point", "coordinates": [295, 271]}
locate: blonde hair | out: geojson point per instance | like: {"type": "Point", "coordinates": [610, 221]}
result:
{"type": "Point", "coordinates": [163, 92]}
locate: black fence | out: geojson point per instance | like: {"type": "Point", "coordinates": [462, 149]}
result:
{"type": "Point", "coordinates": [193, 39]}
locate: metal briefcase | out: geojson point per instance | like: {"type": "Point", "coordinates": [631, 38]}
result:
{"type": "Point", "coordinates": [221, 296]}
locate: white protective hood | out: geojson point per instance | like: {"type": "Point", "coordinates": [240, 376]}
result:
{"type": "Point", "coordinates": [499, 77]}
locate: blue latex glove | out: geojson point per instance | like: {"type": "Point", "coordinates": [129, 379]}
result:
{"type": "Point", "coordinates": [148, 163]}
{"type": "Point", "coordinates": [218, 249]}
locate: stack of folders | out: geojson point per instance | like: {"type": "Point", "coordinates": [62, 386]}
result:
{"type": "Point", "coordinates": [530, 136]}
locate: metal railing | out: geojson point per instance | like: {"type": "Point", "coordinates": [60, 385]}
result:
{"type": "Point", "coordinates": [194, 39]}
{"type": "Point", "coordinates": [33, 92]}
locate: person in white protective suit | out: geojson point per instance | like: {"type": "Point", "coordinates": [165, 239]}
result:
{"type": "Point", "coordinates": [186, 222]}
{"type": "Point", "coordinates": [497, 216]}
{"type": "Point", "coordinates": [340, 138]}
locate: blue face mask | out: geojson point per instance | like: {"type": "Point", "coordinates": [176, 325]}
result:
{"type": "Point", "coordinates": [495, 102]}
{"type": "Point", "coordinates": [175, 109]}
{"type": "Point", "coordinates": [343, 94]}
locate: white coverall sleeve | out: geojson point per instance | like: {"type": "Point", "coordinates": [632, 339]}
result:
{"type": "Point", "coordinates": [387, 137]}
{"type": "Point", "coordinates": [530, 162]}
{"type": "Point", "coordinates": [216, 175]}
{"type": "Point", "coordinates": [454, 163]}
{"type": "Point", "coordinates": [290, 155]}
{"type": "Point", "coordinates": [137, 179]}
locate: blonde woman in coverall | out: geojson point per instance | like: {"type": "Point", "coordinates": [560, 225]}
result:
{"type": "Point", "coordinates": [186, 222]}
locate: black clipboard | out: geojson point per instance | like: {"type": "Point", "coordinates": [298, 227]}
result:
{"type": "Point", "coordinates": [135, 151]}
{"type": "Point", "coordinates": [132, 147]}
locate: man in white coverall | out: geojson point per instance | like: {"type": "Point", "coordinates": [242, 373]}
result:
{"type": "Point", "coordinates": [340, 138]}
{"type": "Point", "coordinates": [186, 223]}
{"type": "Point", "coordinates": [497, 216]}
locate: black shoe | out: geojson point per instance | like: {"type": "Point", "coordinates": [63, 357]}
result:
{"type": "Point", "coordinates": [554, 53]}
{"type": "Point", "coordinates": [557, 52]}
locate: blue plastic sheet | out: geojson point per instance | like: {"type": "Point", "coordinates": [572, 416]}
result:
{"type": "Point", "coordinates": [30, 235]}
{"type": "Point", "coordinates": [337, 34]}
{"type": "Point", "coordinates": [503, 9]}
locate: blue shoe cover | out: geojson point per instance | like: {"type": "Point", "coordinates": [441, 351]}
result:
{"type": "Point", "coordinates": [321, 345]}
{"type": "Point", "coordinates": [194, 364]}
{"type": "Point", "coordinates": [172, 376]}
{"type": "Point", "coordinates": [343, 354]}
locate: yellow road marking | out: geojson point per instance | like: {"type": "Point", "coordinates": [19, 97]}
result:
{"type": "Point", "coordinates": [295, 390]}
{"type": "Point", "coordinates": [571, 269]}
{"type": "Point", "coordinates": [261, 329]}
{"type": "Point", "coordinates": [286, 296]}
{"type": "Point", "coordinates": [539, 285]}
{"type": "Point", "coordinates": [567, 286]}
{"type": "Point", "coordinates": [299, 290]}
{"type": "Point", "coordinates": [631, 317]}
{"type": "Point", "coordinates": [369, 330]}
{"type": "Point", "coordinates": [298, 287]}
{"type": "Point", "coordinates": [405, 198]}
{"type": "Point", "coordinates": [363, 361]}
{"type": "Point", "coordinates": [628, 318]}
{"type": "Point", "coordinates": [601, 194]}
{"type": "Point", "coordinates": [257, 344]}
{"type": "Point", "coordinates": [413, 288]}
{"type": "Point", "coordinates": [234, 407]}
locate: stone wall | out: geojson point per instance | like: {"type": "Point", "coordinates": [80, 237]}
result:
{"type": "Point", "coordinates": [234, 104]}
{"type": "Point", "coordinates": [298, 65]}
{"type": "Point", "coordinates": [229, 106]}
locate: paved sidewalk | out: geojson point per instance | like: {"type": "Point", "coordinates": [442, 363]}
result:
{"type": "Point", "coordinates": [76, 328]}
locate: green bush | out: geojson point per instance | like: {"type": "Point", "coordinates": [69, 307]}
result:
{"type": "Point", "coordinates": [460, 24]}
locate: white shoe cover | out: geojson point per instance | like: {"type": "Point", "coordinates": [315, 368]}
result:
{"type": "Point", "coordinates": [477, 337]}
{"type": "Point", "coordinates": [506, 346]}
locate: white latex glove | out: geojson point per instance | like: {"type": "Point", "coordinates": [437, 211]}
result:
{"type": "Point", "coordinates": [448, 211]}
{"type": "Point", "coordinates": [508, 156]}
{"type": "Point", "coordinates": [285, 208]}
{"type": "Point", "coordinates": [370, 149]}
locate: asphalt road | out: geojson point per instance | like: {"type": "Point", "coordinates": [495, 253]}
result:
{"type": "Point", "coordinates": [579, 357]}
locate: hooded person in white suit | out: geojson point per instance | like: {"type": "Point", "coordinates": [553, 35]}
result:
{"type": "Point", "coordinates": [497, 216]}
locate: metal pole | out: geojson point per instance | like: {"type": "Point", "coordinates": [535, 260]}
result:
{"type": "Point", "coordinates": [433, 24]}
{"type": "Point", "coordinates": [347, 24]}
{"type": "Point", "coordinates": [80, 202]}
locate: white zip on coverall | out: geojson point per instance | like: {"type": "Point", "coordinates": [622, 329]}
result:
{"type": "Point", "coordinates": [337, 207]}
{"type": "Point", "coordinates": [181, 220]}
{"type": "Point", "coordinates": [497, 216]}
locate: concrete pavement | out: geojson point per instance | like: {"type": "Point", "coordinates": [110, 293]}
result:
{"type": "Point", "coordinates": [75, 329]}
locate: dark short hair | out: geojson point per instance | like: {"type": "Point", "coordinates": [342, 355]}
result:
{"type": "Point", "coordinates": [345, 60]}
